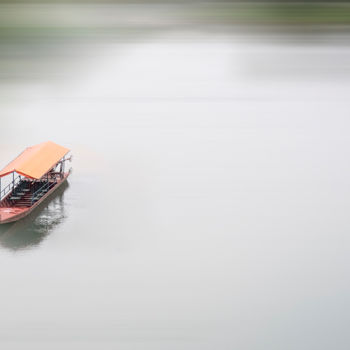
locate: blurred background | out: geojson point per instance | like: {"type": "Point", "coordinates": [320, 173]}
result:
{"type": "Point", "coordinates": [208, 206]}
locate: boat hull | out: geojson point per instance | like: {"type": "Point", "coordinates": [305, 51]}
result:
{"type": "Point", "coordinates": [12, 214]}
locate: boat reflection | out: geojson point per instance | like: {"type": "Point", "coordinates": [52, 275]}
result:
{"type": "Point", "coordinates": [32, 230]}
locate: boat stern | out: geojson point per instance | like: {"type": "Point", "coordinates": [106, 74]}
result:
{"type": "Point", "coordinates": [11, 214]}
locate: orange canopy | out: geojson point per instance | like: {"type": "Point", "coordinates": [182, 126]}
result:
{"type": "Point", "coordinates": [34, 162]}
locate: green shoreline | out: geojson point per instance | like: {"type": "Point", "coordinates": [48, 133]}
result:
{"type": "Point", "coordinates": [287, 13]}
{"type": "Point", "coordinates": [18, 25]}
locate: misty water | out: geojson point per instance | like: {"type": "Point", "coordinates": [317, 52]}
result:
{"type": "Point", "coordinates": [208, 204]}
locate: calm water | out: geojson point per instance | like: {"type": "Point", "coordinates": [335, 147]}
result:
{"type": "Point", "coordinates": [208, 206]}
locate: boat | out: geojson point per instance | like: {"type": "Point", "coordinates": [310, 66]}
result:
{"type": "Point", "coordinates": [31, 178]}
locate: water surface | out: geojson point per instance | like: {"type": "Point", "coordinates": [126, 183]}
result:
{"type": "Point", "coordinates": [208, 206]}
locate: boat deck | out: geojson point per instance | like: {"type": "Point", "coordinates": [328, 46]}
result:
{"type": "Point", "coordinates": [22, 195]}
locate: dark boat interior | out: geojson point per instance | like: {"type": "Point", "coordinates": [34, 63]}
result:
{"type": "Point", "coordinates": [27, 193]}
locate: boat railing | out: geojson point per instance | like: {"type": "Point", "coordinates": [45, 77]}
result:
{"type": "Point", "coordinates": [9, 187]}
{"type": "Point", "coordinates": [46, 186]}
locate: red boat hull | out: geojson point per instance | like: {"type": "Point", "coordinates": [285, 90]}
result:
{"type": "Point", "coordinates": [11, 214]}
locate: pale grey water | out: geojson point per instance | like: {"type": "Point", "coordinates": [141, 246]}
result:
{"type": "Point", "coordinates": [208, 207]}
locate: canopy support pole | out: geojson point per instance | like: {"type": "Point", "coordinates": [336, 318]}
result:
{"type": "Point", "coordinates": [62, 169]}
{"type": "Point", "coordinates": [0, 189]}
{"type": "Point", "coordinates": [13, 181]}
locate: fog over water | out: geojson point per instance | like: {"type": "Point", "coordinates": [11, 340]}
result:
{"type": "Point", "coordinates": [208, 205]}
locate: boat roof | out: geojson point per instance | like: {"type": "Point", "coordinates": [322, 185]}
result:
{"type": "Point", "coordinates": [34, 162]}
